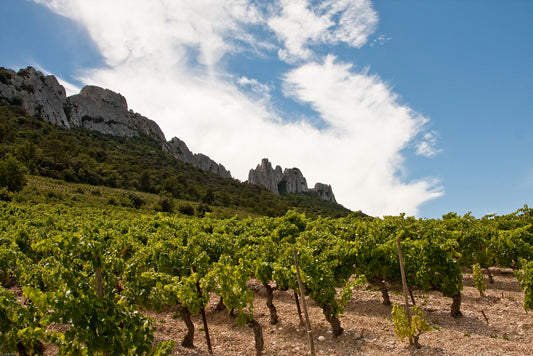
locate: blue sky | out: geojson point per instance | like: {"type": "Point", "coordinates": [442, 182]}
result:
{"type": "Point", "coordinates": [423, 107]}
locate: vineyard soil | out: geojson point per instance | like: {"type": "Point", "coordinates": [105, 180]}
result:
{"type": "Point", "coordinates": [368, 327]}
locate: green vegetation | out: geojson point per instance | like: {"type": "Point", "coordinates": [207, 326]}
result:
{"type": "Point", "coordinates": [12, 174]}
{"type": "Point", "coordinates": [525, 278]}
{"type": "Point", "coordinates": [479, 280]}
{"type": "Point", "coordinates": [411, 329]}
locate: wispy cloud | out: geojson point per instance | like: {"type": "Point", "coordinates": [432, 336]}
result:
{"type": "Point", "coordinates": [368, 129]}
{"type": "Point", "coordinates": [427, 146]}
{"type": "Point", "coordinates": [299, 24]}
{"type": "Point", "coordinates": [254, 86]}
{"type": "Point", "coordinates": [168, 59]}
{"type": "Point", "coordinates": [380, 40]}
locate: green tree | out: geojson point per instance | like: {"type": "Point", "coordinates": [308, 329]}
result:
{"type": "Point", "coordinates": [12, 174]}
{"type": "Point", "coordinates": [145, 181]}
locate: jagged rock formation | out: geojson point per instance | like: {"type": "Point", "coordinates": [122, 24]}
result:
{"type": "Point", "coordinates": [294, 181]}
{"type": "Point", "coordinates": [266, 176]}
{"type": "Point", "coordinates": [288, 181]}
{"type": "Point", "coordinates": [41, 96]}
{"type": "Point", "coordinates": [107, 112]}
{"type": "Point", "coordinates": [325, 192]}
{"type": "Point", "coordinates": [94, 108]}
{"type": "Point", "coordinates": [179, 149]}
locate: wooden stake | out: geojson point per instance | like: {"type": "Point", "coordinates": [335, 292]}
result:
{"type": "Point", "coordinates": [296, 299]}
{"type": "Point", "coordinates": [304, 304]}
{"type": "Point", "coordinates": [405, 289]}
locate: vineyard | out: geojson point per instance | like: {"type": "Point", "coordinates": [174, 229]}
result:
{"type": "Point", "coordinates": [87, 280]}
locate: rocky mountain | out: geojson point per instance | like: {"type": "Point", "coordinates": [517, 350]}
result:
{"type": "Point", "coordinates": [93, 108]}
{"type": "Point", "coordinates": [41, 96]}
{"type": "Point", "coordinates": [107, 112]}
{"type": "Point", "coordinates": [290, 180]}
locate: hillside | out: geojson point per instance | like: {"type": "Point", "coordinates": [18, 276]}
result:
{"type": "Point", "coordinates": [137, 164]}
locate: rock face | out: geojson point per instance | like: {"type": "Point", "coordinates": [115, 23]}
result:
{"type": "Point", "coordinates": [93, 108]}
{"type": "Point", "coordinates": [41, 96]}
{"type": "Point", "coordinates": [266, 176]}
{"type": "Point", "coordinates": [325, 192]}
{"type": "Point", "coordinates": [294, 181]}
{"type": "Point", "coordinates": [291, 180]}
{"type": "Point", "coordinates": [179, 149]}
{"type": "Point", "coordinates": [107, 112]}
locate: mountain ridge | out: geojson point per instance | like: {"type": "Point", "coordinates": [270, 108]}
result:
{"type": "Point", "coordinates": [107, 112]}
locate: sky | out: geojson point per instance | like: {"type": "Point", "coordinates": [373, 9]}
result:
{"type": "Point", "coordinates": [413, 106]}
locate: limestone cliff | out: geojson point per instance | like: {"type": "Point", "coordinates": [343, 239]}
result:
{"type": "Point", "coordinates": [266, 176]}
{"type": "Point", "coordinates": [107, 112]}
{"type": "Point", "coordinates": [290, 180]}
{"type": "Point", "coordinates": [41, 96]}
{"type": "Point", "coordinates": [324, 191]}
{"type": "Point", "coordinates": [93, 108]}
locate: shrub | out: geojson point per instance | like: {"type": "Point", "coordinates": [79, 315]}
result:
{"type": "Point", "coordinates": [136, 200]}
{"type": "Point", "coordinates": [4, 194]}
{"type": "Point", "coordinates": [165, 205]}
{"type": "Point", "coordinates": [12, 174]}
{"type": "Point", "coordinates": [202, 209]}
{"type": "Point", "coordinates": [186, 209]}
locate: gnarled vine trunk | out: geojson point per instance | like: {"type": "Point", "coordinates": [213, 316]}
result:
{"type": "Point", "coordinates": [189, 338]}
{"type": "Point", "coordinates": [489, 274]}
{"type": "Point", "coordinates": [270, 304]}
{"type": "Point", "coordinates": [220, 305]}
{"type": "Point", "coordinates": [383, 288]}
{"type": "Point", "coordinates": [455, 310]}
{"type": "Point", "coordinates": [258, 336]}
{"type": "Point", "coordinates": [329, 313]}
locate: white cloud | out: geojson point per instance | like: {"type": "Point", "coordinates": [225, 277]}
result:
{"type": "Point", "coordinates": [161, 29]}
{"type": "Point", "coordinates": [300, 24]}
{"type": "Point", "coordinates": [426, 147]}
{"type": "Point", "coordinates": [368, 129]}
{"type": "Point", "coordinates": [380, 40]}
{"type": "Point", "coordinates": [254, 86]}
{"type": "Point", "coordinates": [165, 58]}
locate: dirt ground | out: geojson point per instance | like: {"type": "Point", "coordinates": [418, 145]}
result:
{"type": "Point", "coordinates": [495, 324]}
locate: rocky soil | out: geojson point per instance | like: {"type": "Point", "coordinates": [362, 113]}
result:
{"type": "Point", "coordinates": [495, 324]}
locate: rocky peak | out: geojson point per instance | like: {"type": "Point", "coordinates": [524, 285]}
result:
{"type": "Point", "coordinates": [294, 181]}
{"type": "Point", "coordinates": [41, 96]}
{"type": "Point", "coordinates": [179, 149]}
{"type": "Point", "coordinates": [93, 108]}
{"type": "Point", "coordinates": [290, 180]}
{"type": "Point", "coordinates": [324, 192]}
{"type": "Point", "coordinates": [266, 176]}
{"type": "Point", "coordinates": [107, 112]}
